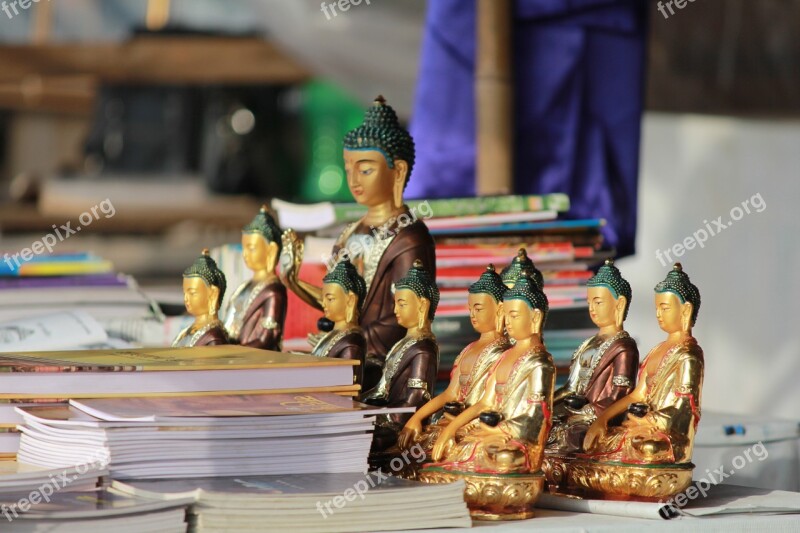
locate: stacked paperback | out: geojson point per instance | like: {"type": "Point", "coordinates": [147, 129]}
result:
{"type": "Point", "coordinates": [46, 378]}
{"type": "Point", "coordinates": [143, 438]}
{"type": "Point", "coordinates": [314, 503]}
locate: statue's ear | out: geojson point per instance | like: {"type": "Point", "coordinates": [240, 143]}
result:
{"type": "Point", "coordinates": [537, 317]}
{"type": "Point", "coordinates": [619, 315]}
{"type": "Point", "coordinates": [686, 316]}
{"type": "Point", "coordinates": [213, 299]}
{"type": "Point", "coordinates": [400, 175]}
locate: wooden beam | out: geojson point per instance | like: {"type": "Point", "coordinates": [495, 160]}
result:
{"type": "Point", "coordinates": [493, 98]}
{"type": "Point", "coordinates": [156, 60]}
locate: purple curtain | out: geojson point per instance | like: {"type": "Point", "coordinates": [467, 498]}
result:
{"type": "Point", "coordinates": [579, 83]}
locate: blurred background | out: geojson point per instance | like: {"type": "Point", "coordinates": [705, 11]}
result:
{"type": "Point", "coordinates": [188, 114]}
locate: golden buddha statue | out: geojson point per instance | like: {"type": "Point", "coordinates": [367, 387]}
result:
{"type": "Point", "coordinates": [519, 264]}
{"type": "Point", "coordinates": [471, 367]}
{"type": "Point", "coordinates": [603, 368]}
{"type": "Point", "coordinates": [203, 290]}
{"type": "Point", "coordinates": [652, 446]}
{"type": "Point", "coordinates": [500, 456]}
{"type": "Point", "coordinates": [409, 375]}
{"type": "Point", "coordinates": [257, 310]}
{"type": "Point", "coordinates": [343, 290]}
{"type": "Point", "coordinates": [383, 244]}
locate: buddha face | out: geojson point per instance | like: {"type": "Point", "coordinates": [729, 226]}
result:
{"type": "Point", "coordinates": [408, 308]}
{"type": "Point", "coordinates": [483, 312]}
{"type": "Point", "coordinates": [369, 177]}
{"type": "Point", "coordinates": [673, 316]}
{"type": "Point", "coordinates": [335, 301]}
{"type": "Point", "coordinates": [604, 309]}
{"type": "Point", "coordinates": [521, 321]}
{"type": "Point", "coordinates": [257, 253]}
{"type": "Point", "coordinates": [199, 298]}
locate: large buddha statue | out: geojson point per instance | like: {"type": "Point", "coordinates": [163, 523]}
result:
{"type": "Point", "coordinates": [471, 367]}
{"type": "Point", "coordinates": [603, 368]}
{"type": "Point", "coordinates": [343, 291]}
{"type": "Point", "coordinates": [653, 443]}
{"type": "Point", "coordinates": [519, 264]}
{"type": "Point", "coordinates": [497, 444]}
{"type": "Point", "coordinates": [379, 157]}
{"type": "Point", "coordinates": [257, 310]}
{"type": "Point", "coordinates": [409, 375]}
{"type": "Point", "coordinates": [203, 290]}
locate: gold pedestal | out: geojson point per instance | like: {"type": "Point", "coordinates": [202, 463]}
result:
{"type": "Point", "coordinates": [493, 496]}
{"type": "Point", "coordinates": [556, 472]}
{"type": "Point", "coordinates": [619, 481]}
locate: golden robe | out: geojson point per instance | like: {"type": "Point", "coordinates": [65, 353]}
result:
{"type": "Point", "coordinates": [525, 401]}
{"type": "Point", "coordinates": [665, 435]}
{"type": "Point", "coordinates": [471, 386]}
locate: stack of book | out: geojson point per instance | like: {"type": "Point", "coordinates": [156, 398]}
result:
{"type": "Point", "coordinates": [45, 378]}
{"type": "Point", "coordinates": [235, 435]}
{"type": "Point", "coordinates": [90, 510]}
{"type": "Point", "coordinates": [311, 503]}
{"type": "Point", "coordinates": [69, 282]}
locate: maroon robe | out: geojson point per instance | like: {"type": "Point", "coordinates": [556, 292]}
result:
{"type": "Point", "coordinates": [270, 303]}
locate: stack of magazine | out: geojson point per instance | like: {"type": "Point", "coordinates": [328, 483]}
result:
{"type": "Point", "coordinates": [319, 503]}
{"type": "Point", "coordinates": [143, 438]}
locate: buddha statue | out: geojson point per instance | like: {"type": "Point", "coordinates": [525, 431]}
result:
{"type": "Point", "coordinates": [343, 290]}
{"type": "Point", "coordinates": [409, 375]}
{"type": "Point", "coordinates": [471, 367]}
{"type": "Point", "coordinates": [496, 446]}
{"type": "Point", "coordinates": [652, 445]}
{"type": "Point", "coordinates": [257, 310]}
{"type": "Point", "coordinates": [603, 368]}
{"type": "Point", "coordinates": [383, 244]}
{"type": "Point", "coordinates": [203, 290]}
{"type": "Point", "coordinates": [518, 264]}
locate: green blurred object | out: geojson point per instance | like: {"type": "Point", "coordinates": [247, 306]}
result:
{"type": "Point", "coordinates": [328, 114]}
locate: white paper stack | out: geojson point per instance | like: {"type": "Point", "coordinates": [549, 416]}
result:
{"type": "Point", "coordinates": [202, 436]}
{"type": "Point", "coordinates": [97, 510]}
{"type": "Point", "coordinates": [319, 503]}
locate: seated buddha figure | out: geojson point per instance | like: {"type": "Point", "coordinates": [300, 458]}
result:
{"type": "Point", "coordinates": [662, 412]}
{"type": "Point", "coordinates": [257, 310]}
{"type": "Point", "coordinates": [514, 411]}
{"type": "Point", "coordinates": [383, 244]}
{"type": "Point", "coordinates": [203, 290]}
{"type": "Point", "coordinates": [471, 367]}
{"type": "Point", "coordinates": [521, 262]}
{"type": "Point", "coordinates": [603, 368]}
{"type": "Point", "coordinates": [411, 365]}
{"type": "Point", "coordinates": [343, 291]}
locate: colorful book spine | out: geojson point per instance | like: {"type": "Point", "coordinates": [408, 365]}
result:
{"type": "Point", "coordinates": [455, 207]}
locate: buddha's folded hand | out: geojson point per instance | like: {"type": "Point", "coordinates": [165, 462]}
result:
{"type": "Point", "coordinates": [409, 434]}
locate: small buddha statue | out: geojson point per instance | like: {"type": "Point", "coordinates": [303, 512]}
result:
{"type": "Point", "coordinates": [257, 310]}
{"type": "Point", "coordinates": [603, 368]}
{"type": "Point", "coordinates": [518, 264]}
{"type": "Point", "coordinates": [343, 290]}
{"type": "Point", "coordinates": [500, 449]}
{"type": "Point", "coordinates": [471, 367]}
{"type": "Point", "coordinates": [203, 290]}
{"type": "Point", "coordinates": [409, 375]}
{"type": "Point", "coordinates": [659, 417]}
{"type": "Point", "coordinates": [383, 244]}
